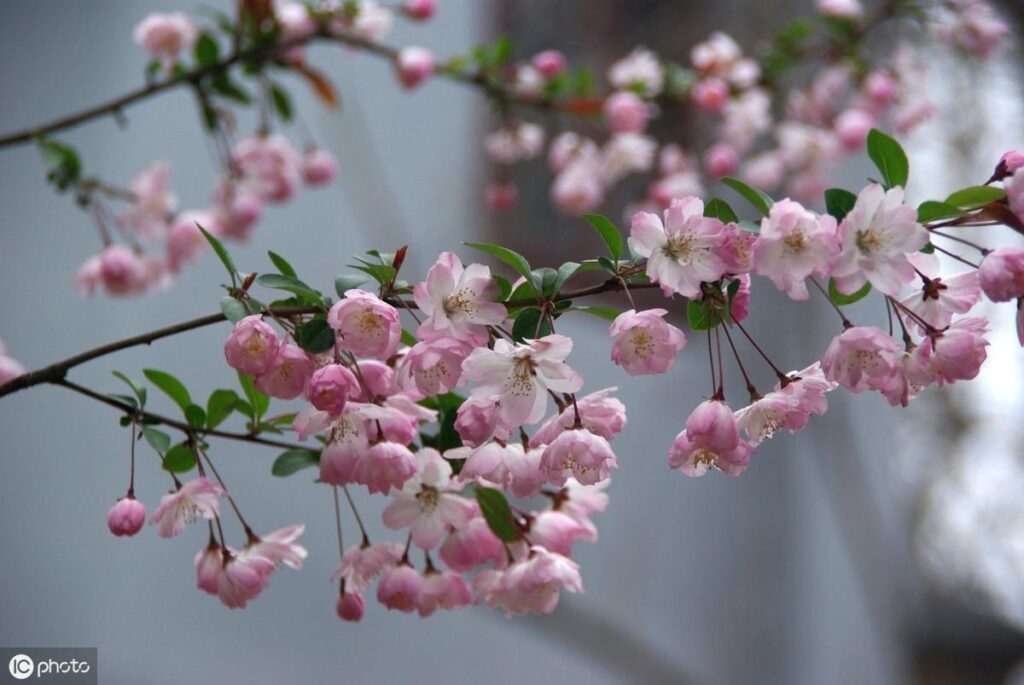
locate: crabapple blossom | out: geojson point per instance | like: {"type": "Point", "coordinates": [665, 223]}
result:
{"type": "Point", "coordinates": [720, 160]}
{"type": "Point", "coordinates": [519, 376]}
{"type": "Point", "coordinates": [118, 269]}
{"type": "Point", "coordinates": [458, 301]}
{"type": "Point", "coordinates": [640, 71]}
{"type": "Point", "coordinates": [558, 531]}
{"type": "Point", "coordinates": [578, 453]}
{"type": "Point", "coordinates": [861, 357]}
{"type": "Point", "coordinates": [840, 9]}
{"type": "Point", "coordinates": [710, 440]}
{"type": "Point", "coordinates": [350, 607]}
{"type": "Point", "coordinates": [876, 236]}
{"type": "Point", "coordinates": [330, 387]}
{"type": "Point", "coordinates": [414, 66]}
{"type": "Point", "coordinates": [420, 10]}
{"type": "Point", "coordinates": [472, 545]}
{"type": "Point", "coordinates": [127, 517]}
{"type": "Point", "coordinates": [599, 412]}
{"type": "Point", "coordinates": [710, 94]}
{"type": "Point", "coordinates": [208, 562]}
{"type": "Point", "coordinates": [195, 499]}
{"type": "Point", "coordinates": [361, 565]}
{"type": "Point", "coordinates": [516, 141]}
{"type": "Point", "coordinates": [626, 112]}
{"type": "Point", "coordinates": [287, 375]}
{"type": "Point", "coordinates": [957, 353]}
{"type": "Point", "coordinates": [681, 251]}
{"type": "Point", "coordinates": [443, 590]}
{"type": "Point", "coordinates": [318, 167]}
{"type": "Point", "coordinates": [366, 325]}
{"type": "Point", "coordinates": [385, 465]}
{"type": "Point", "coordinates": [371, 20]}
{"type": "Point", "coordinates": [252, 346]}
{"type": "Point", "coordinates": [852, 128]}
{"type": "Point", "coordinates": [1008, 165]}
{"type": "Point", "coordinates": [578, 188]}
{"type": "Point", "coordinates": [429, 504]}
{"type": "Point", "coordinates": [152, 203]}
{"type": "Point", "coordinates": [1001, 274]}
{"type": "Point", "coordinates": [531, 585]}
{"type": "Point", "coordinates": [434, 366]}
{"type": "Point", "coordinates": [477, 420]}
{"type": "Point", "coordinates": [501, 197]}
{"type": "Point", "coordinates": [185, 241]}
{"type": "Point", "coordinates": [504, 465]}
{"type": "Point", "coordinates": [644, 343]}
{"type": "Point", "coordinates": [10, 368]}
{"type": "Point", "coordinates": [400, 588]}
{"type": "Point", "coordinates": [940, 297]}
{"type": "Point", "coordinates": [238, 209]}
{"type": "Point", "coordinates": [549, 63]}
{"type": "Point", "coordinates": [793, 245]}
{"type": "Point", "coordinates": [165, 35]}
{"type": "Point", "coordinates": [269, 166]}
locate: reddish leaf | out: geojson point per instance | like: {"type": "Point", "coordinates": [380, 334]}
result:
{"type": "Point", "coordinates": [323, 88]}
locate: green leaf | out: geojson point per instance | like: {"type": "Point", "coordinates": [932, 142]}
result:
{"type": "Point", "coordinates": [720, 209]}
{"type": "Point", "coordinates": [889, 157]}
{"type": "Point", "coordinates": [841, 299]}
{"type": "Point", "coordinates": [316, 335]}
{"type": "Point", "coordinates": [382, 273]}
{"type": "Point", "coordinates": [282, 264]}
{"type": "Point", "coordinates": [173, 388]}
{"type": "Point", "coordinates": [839, 202]}
{"type": "Point", "coordinates": [565, 272]}
{"type": "Point", "coordinates": [257, 400]}
{"type": "Point", "coordinates": [526, 325]}
{"type": "Point", "coordinates": [287, 283]}
{"type": "Point", "coordinates": [606, 313]}
{"type": "Point", "coordinates": [408, 339]}
{"type": "Point", "coordinates": [699, 315]}
{"type": "Point", "coordinates": [124, 399]}
{"type": "Point", "coordinates": [282, 102]}
{"type": "Point", "coordinates": [195, 416]}
{"type": "Point", "coordinates": [347, 282]}
{"type": "Point", "coordinates": [179, 459]}
{"type": "Point", "coordinates": [294, 460]}
{"type": "Point", "coordinates": [447, 406]}
{"type": "Point", "coordinates": [609, 233]}
{"type": "Point", "coordinates": [139, 390]}
{"type": "Point", "coordinates": [233, 309]}
{"type": "Point", "coordinates": [207, 51]}
{"type": "Point", "coordinates": [760, 200]}
{"type": "Point", "coordinates": [512, 258]}
{"type": "Point", "coordinates": [222, 253]}
{"type": "Point", "coordinates": [497, 513]}
{"type": "Point", "coordinates": [504, 287]}
{"type": "Point", "coordinates": [976, 196]}
{"type": "Point", "coordinates": [547, 280]}
{"type": "Point", "coordinates": [219, 407]}
{"type": "Point", "coordinates": [930, 210]}
{"type": "Point", "coordinates": [157, 439]}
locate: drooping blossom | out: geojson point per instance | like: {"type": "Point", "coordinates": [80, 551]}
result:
{"type": "Point", "coordinates": [429, 504]}
{"type": "Point", "coordinates": [458, 301]}
{"type": "Point", "coordinates": [420, 10]}
{"type": "Point", "coordinates": [288, 374]}
{"type": "Point", "coordinates": [434, 366]}
{"type": "Point", "coordinates": [472, 545]}
{"type": "Point", "coordinates": [1002, 274]}
{"type": "Point", "coordinates": [195, 499]}
{"type": "Point", "coordinates": [558, 531]}
{"type": "Point", "coordinates": [269, 166]}
{"type": "Point", "coordinates": [644, 343]}
{"type": "Point", "coordinates": [361, 565]}
{"type": "Point", "coordinates": [366, 325]}
{"type": "Point", "coordinates": [599, 412]}
{"type": "Point", "coordinates": [861, 357]}
{"type": "Point", "coordinates": [626, 112]}
{"type": "Point", "coordinates": [550, 63]}
{"type": "Point", "coordinates": [793, 245]}
{"type": "Point", "coordinates": [681, 251]}
{"type": "Point", "coordinates": [318, 167]}
{"type": "Point", "coordinates": [508, 466]}
{"type": "Point", "coordinates": [331, 386]}
{"type": "Point", "coordinates": [400, 588]}
{"type": "Point", "coordinates": [152, 203]}
{"type": "Point", "coordinates": [580, 454]}
{"type": "Point", "coordinates": [531, 585]}
{"type": "Point", "coordinates": [710, 440]}
{"type": "Point", "coordinates": [939, 298]}
{"type": "Point", "coordinates": [443, 590]}
{"type": "Point", "coordinates": [350, 606]}
{"type": "Point", "coordinates": [956, 353]}
{"type": "Point", "coordinates": [10, 368]}
{"type": "Point", "coordinates": [516, 141]}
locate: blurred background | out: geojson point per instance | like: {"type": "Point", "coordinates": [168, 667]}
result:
{"type": "Point", "coordinates": [878, 546]}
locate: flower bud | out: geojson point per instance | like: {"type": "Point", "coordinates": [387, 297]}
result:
{"type": "Point", "coordinates": [414, 66]}
{"type": "Point", "coordinates": [319, 167]}
{"type": "Point", "coordinates": [127, 517]}
{"type": "Point", "coordinates": [330, 388]}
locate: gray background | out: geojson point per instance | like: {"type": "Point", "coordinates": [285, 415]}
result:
{"type": "Point", "coordinates": [798, 572]}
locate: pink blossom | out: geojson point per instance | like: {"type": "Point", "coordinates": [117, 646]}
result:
{"type": "Point", "coordinates": [876, 237]}
{"type": "Point", "coordinates": [710, 440]}
{"type": "Point", "coordinates": [558, 531]}
{"type": "Point", "coordinates": [578, 453]}
{"type": "Point", "coordinates": [269, 166]}
{"type": "Point", "coordinates": [237, 211]}
{"type": "Point", "coordinates": [550, 63]}
{"type": "Point", "coordinates": [185, 240]}
{"type": "Point", "coordinates": [287, 375]}
{"type": "Point", "coordinates": [764, 171]}
{"type": "Point", "coordinates": [940, 298]}
{"type": "Point", "coordinates": [911, 375]}
{"type": "Point", "coordinates": [443, 590]}
{"type": "Point", "coordinates": [626, 153]}
{"type": "Point", "coordinates": [793, 245]}
{"type": "Point", "coordinates": [378, 380]}
{"type": "Point", "coordinates": [458, 301]}
{"type": "Point", "coordinates": [569, 147]}
{"type": "Point", "coordinates": [501, 197]}
{"type": "Point", "coordinates": [582, 501]}
{"type": "Point", "coordinates": [209, 563]}
{"type": "Point", "coordinates": [529, 586]}
{"type": "Point", "coordinates": [600, 413]}
{"type": "Point", "coordinates": [1002, 274]}
{"type": "Point", "coordinates": [434, 366]}
{"type": "Point", "coordinates": [242, 578]}
{"type": "Point", "coordinates": [974, 26]}
{"type": "Point", "coordinates": [119, 269]}
{"type": "Point", "coordinates": [350, 607]}
{"type": "Point", "coordinates": [165, 35]}
{"type": "Point", "coordinates": [1008, 164]}
{"type": "Point", "coordinates": [880, 87]}
{"type": "Point", "coordinates": [626, 112]}
{"type": "Point", "coordinates": [1020, 321]}
{"type": "Point", "coordinates": [319, 167]}
{"type": "Point", "coordinates": [840, 9]}
{"type": "Point", "coordinates": [152, 203]}
{"type": "Point", "coordinates": [342, 454]}
{"type": "Point", "coordinates": [957, 353]}
{"type": "Point", "coordinates": [420, 10]}
{"type": "Point", "coordinates": [400, 588]}
{"type": "Point", "coordinates": [366, 325]}
{"type": "Point", "coordinates": [852, 128]}
{"type": "Point", "coordinates": [644, 343]}
{"type": "Point", "coordinates": [519, 376]}
{"type": "Point", "coordinates": [361, 565]}
{"type": "Point", "coordinates": [127, 516]}
{"type": "Point", "coordinates": [578, 188]}
{"type": "Point", "coordinates": [252, 346]}
{"type": "Point", "coordinates": [861, 357]}
{"type": "Point", "coordinates": [477, 420]}
{"type": "Point", "coordinates": [516, 141]}
{"type": "Point", "coordinates": [710, 94]}
{"type": "Point", "coordinates": [294, 19]}
{"type": "Point", "coordinates": [720, 160]}
{"type": "Point", "coordinates": [331, 386]}
{"type": "Point", "coordinates": [716, 55]}
{"type": "Point", "coordinates": [681, 252]}
{"type": "Point", "coordinates": [1015, 193]}
{"type": "Point", "coordinates": [384, 466]}
{"type": "Point", "coordinates": [429, 504]}
{"type": "Point", "coordinates": [472, 545]}
{"type": "Point", "coordinates": [737, 249]}
{"type": "Point", "coordinates": [414, 65]}
{"type": "Point", "coordinates": [195, 499]}
{"type": "Point", "coordinates": [745, 117]}
{"type": "Point", "coordinates": [10, 368]}
{"type": "Point", "coordinates": [497, 464]}
{"type": "Point", "coordinates": [640, 71]}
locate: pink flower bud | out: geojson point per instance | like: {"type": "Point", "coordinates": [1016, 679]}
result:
{"type": "Point", "coordinates": [122, 271]}
{"type": "Point", "coordinates": [501, 197]}
{"type": "Point", "coordinates": [419, 10]}
{"type": "Point", "coordinates": [319, 167]}
{"type": "Point", "coordinates": [366, 325]}
{"type": "Point", "coordinates": [414, 66]}
{"type": "Point", "coordinates": [550, 63]}
{"type": "Point", "coordinates": [852, 127]}
{"type": "Point", "coordinates": [1002, 274]}
{"type": "Point", "coordinates": [711, 94]}
{"type": "Point", "coordinates": [288, 374]}
{"type": "Point", "coordinates": [126, 517]}
{"type": "Point", "coordinates": [881, 87]}
{"type": "Point", "coordinates": [400, 588]}
{"type": "Point", "coordinates": [252, 346]}
{"type": "Point", "coordinates": [330, 388]}
{"type": "Point", "coordinates": [626, 112]}
{"type": "Point", "coordinates": [351, 607]}
{"type": "Point", "coordinates": [1013, 160]}
{"type": "Point", "coordinates": [720, 160]}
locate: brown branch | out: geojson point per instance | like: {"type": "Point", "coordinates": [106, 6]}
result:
{"type": "Point", "coordinates": [174, 423]}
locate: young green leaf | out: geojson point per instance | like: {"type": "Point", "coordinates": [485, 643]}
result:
{"type": "Point", "coordinates": [234, 310]}
{"type": "Point", "coordinates": [699, 315]}
{"type": "Point", "coordinates": [179, 459]}
{"type": "Point", "coordinates": [609, 233]}
{"type": "Point", "coordinates": [760, 200]}
{"type": "Point", "coordinates": [219, 407]}
{"type": "Point", "coordinates": [282, 102]}
{"type": "Point", "coordinates": [497, 513]}
{"type": "Point", "coordinates": [890, 158]}
{"type": "Point", "coordinates": [222, 254]}
{"type": "Point", "coordinates": [157, 439]}
{"type": "Point", "coordinates": [207, 51]}
{"type": "Point", "coordinates": [258, 402]}
{"type": "Point", "coordinates": [139, 390]}
{"type": "Point", "coordinates": [606, 313]}
{"type": "Point", "coordinates": [282, 264]}
{"type": "Point", "coordinates": [294, 460]}
{"type": "Point", "coordinates": [931, 210]}
{"type": "Point", "coordinates": [512, 258]}
{"type": "Point", "coordinates": [347, 282]}
{"type": "Point", "coordinates": [316, 336]}
{"type": "Point", "coordinates": [976, 196]}
{"type": "Point", "coordinates": [842, 299]}
{"type": "Point", "coordinates": [289, 284]}
{"type": "Point", "coordinates": [528, 325]}
{"type": "Point", "coordinates": [720, 209]}
{"type": "Point", "coordinates": [171, 386]}
{"type": "Point", "coordinates": [195, 416]}
{"type": "Point", "coordinates": [839, 202]}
